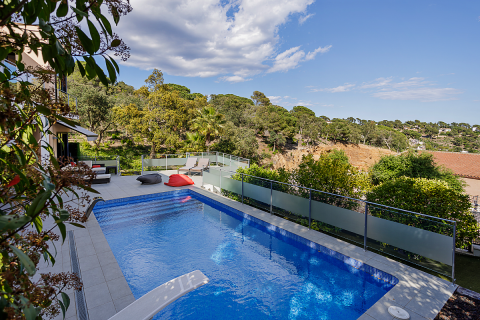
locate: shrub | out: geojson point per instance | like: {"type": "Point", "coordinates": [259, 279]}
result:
{"type": "Point", "coordinates": [413, 165]}
{"type": "Point", "coordinates": [332, 173]}
{"type": "Point", "coordinates": [431, 197]}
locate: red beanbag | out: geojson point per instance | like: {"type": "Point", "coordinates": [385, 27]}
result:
{"type": "Point", "coordinates": [73, 164]}
{"type": "Point", "coordinates": [178, 180]}
{"type": "Point", "coordinates": [96, 166]}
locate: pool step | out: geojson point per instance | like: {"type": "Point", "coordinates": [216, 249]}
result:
{"type": "Point", "coordinates": [142, 212]}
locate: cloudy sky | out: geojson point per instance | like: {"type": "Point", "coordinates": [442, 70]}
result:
{"type": "Point", "coordinates": [372, 59]}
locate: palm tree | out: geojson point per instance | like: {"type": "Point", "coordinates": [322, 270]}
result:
{"type": "Point", "coordinates": [209, 123]}
{"type": "Point", "coordinates": [194, 142]}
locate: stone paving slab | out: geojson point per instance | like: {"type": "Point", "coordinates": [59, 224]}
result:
{"type": "Point", "coordinates": [107, 291]}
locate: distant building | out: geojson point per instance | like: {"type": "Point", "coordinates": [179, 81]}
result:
{"type": "Point", "coordinates": [443, 130]}
{"type": "Point", "coordinates": [466, 165]}
{"type": "Point", "coordinates": [475, 129]}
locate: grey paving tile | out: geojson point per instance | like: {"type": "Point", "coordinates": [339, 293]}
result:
{"type": "Point", "coordinates": [89, 262]}
{"type": "Point", "coordinates": [402, 294]}
{"type": "Point", "coordinates": [112, 271]}
{"type": "Point", "coordinates": [365, 317]}
{"type": "Point", "coordinates": [122, 302]}
{"type": "Point", "coordinates": [83, 241]}
{"type": "Point", "coordinates": [425, 306]}
{"type": "Point", "coordinates": [379, 310]}
{"type": "Point", "coordinates": [97, 295]}
{"type": "Point", "coordinates": [101, 246]}
{"type": "Point", "coordinates": [118, 288]}
{"type": "Point", "coordinates": [106, 258]}
{"type": "Point", "coordinates": [102, 312]}
{"type": "Point", "coordinates": [92, 277]}
{"type": "Point", "coordinates": [85, 250]}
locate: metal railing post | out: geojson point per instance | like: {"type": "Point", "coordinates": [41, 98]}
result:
{"type": "Point", "coordinates": [365, 228]}
{"type": "Point", "coordinates": [216, 158]}
{"type": "Point", "coordinates": [202, 154]}
{"type": "Point", "coordinates": [230, 161]}
{"type": "Point", "coordinates": [220, 180]}
{"type": "Point", "coordinates": [310, 209]}
{"type": "Point", "coordinates": [142, 164]}
{"type": "Point", "coordinates": [271, 197]}
{"type": "Point", "coordinates": [166, 162]}
{"type": "Point", "coordinates": [242, 188]}
{"type": "Point", "coordinates": [453, 253]}
{"type": "Point", "coordinates": [118, 165]}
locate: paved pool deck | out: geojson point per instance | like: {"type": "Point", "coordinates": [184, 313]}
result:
{"type": "Point", "coordinates": [107, 292]}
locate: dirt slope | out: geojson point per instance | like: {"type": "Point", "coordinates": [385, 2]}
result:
{"type": "Point", "coordinates": [361, 156]}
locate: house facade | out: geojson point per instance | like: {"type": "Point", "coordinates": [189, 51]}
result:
{"type": "Point", "coordinates": [58, 139]}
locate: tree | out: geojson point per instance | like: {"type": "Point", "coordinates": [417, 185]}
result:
{"type": "Point", "coordinates": [413, 165]}
{"type": "Point", "coordinates": [238, 141]}
{"type": "Point", "coordinates": [32, 188]}
{"type": "Point", "coordinates": [194, 142]}
{"type": "Point", "coordinates": [235, 109]}
{"type": "Point", "coordinates": [209, 123]}
{"type": "Point", "coordinates": [183, 91]}
{"type": "Point", "coordinates": [155, 80]}
{"type": "Point", "coordinates": [277, 139]}
{"type": "Point", "coordinates": [431, 197]}
{"type": "Point", "coordinates": [260, 99]}
{"type": "Point", "coordinates": [332, 173]}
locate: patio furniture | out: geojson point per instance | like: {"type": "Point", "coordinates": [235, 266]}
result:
{"type": "Point", "coordinates": [179, 180]}
{"type": "Point", "coordinates": [152, 178]}
{"type": "Point", "coordinates": [100, 169]}
{"type": "Point", "coordinates": [202, 165]}
{"type": "Point", "coordinates": [101, 178]}
{"type": "Point", "coordinates": [189, 165]}
{"type": "Point", "coordinates": [110, 168]}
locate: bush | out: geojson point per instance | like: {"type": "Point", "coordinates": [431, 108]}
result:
{"type": "Point", "coordinates": [413, 165]}
{"type": "Point", "coordinates": [431, 197]}
{"type": "Point", "coordinates": [333, 173]}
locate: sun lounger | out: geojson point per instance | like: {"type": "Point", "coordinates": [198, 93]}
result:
{"type": "Point", "coordinates": [189, 165]}
{"type": "Point", "coordinates": [202, 165]}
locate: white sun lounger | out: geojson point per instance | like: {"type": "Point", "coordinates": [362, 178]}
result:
{"type": "Point", "coordinates": [189, 165]}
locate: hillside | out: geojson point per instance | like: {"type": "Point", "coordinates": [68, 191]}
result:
{"type": "Point", "coordinates": [361, 156]}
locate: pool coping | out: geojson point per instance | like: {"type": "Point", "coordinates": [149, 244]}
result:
{"type": "Point", "coordinates": [421, 294]}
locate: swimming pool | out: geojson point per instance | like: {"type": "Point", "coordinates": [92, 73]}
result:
{"type": "Point", "coordinates": [256, 270]}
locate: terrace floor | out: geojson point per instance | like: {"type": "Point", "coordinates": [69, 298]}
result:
{"type": "Point", "coordinates": [107, 292]}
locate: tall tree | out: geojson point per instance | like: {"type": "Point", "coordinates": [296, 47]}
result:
{"type": "Point", "coordinates": [209, 123]}
{"type": "Point", "coordinates": [260, 99]}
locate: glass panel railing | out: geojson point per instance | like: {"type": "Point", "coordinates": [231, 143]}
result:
{"type": "Point", "coordinates": [422, 240]}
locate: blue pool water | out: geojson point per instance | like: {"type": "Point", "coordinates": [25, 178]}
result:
{"type": "Point", "coordinates": [256, 270]}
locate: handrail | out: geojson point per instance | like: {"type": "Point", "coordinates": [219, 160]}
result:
{"type": "Point", "coordinates": [337, 195]}
{"type": "Point", "coordinates": [153, 302]}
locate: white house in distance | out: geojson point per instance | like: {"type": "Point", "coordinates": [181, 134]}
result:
{"type": "Point", "coordinates": [58, 139]}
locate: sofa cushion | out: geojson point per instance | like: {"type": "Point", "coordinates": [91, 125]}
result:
{"type": "Point", "coordinates": [152, 178]}
{"type": "Point", "coordinates": [178, 180]}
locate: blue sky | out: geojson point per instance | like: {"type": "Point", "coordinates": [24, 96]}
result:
{"type": "Point", "coordinates": [371, 59]}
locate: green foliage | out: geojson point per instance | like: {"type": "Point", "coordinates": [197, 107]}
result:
{"type": "Point", "coordinates": [280, 175]}
{"type": "Point", "coordinates": [430, 197]}
{"type": "Point", "coordinates": [332, 173]}
{"type": "Point", "coordinates": [260, 99]}
{"type": "Point", "coordinates": [413, 165]}
{"type": "Point", "coordinates": [237, 141]}
{"type": "Point", "coordinates": [183, 91]}
{"type": "Point", "coordinates": [209, 122]}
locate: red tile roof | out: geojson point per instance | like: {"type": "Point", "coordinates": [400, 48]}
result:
{"type": "Point", "coordinates": [466, 165]}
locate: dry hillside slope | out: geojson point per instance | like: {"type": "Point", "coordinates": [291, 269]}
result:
{"type": "Point", "coordinates": [360, 156]}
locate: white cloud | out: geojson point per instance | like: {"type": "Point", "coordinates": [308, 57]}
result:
{"type": "Point", "coordinates": [378, 83]}
{"type": "Point", "coordinates": [275, 99]}
{"type": "Point", "coordinates": [344, 88]}
{"type": "Point", "coordinates": [302, 19]}
{"type": "Point", "coordinates": [422, 94]}
{"type": "Point", "coordinates": [234, 79]}
{"type": "Point", "coordinates": [415, 88]}
{"type": "Point", "coordinates": [311, 55]}
{"type": "Point", "coordinates": [204, 38]}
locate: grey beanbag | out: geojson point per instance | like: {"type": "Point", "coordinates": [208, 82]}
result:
{"type": "Point", "coordinates": [152, 178]}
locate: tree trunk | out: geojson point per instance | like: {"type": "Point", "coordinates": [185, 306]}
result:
{"type": "Point", "coordinates": [152, 151]}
